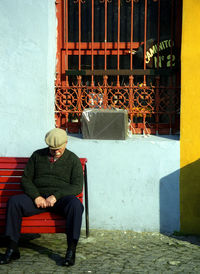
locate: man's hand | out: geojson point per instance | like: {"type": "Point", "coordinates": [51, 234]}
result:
{"type": "Point", "coordinates": [51, 200]}
{"type": "Point", "coordinates": [40, 202]}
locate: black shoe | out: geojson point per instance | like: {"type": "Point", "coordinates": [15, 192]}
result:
{"type": "Point", "coordinates": [10, 255]}
{"type": "Point", "coordinates": [69, 258]}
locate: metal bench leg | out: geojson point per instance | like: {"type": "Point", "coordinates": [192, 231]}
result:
{"type": "Point", "coordinates": [86, 202]}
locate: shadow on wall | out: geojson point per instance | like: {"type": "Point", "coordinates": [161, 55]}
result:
{"type": "Point", "coordinates": [180, 200]}
{"type": "Point", "coordinates": [170, 203]}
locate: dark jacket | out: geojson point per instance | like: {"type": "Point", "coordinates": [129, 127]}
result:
{"type": "Point", "coordinates": [61, 178]}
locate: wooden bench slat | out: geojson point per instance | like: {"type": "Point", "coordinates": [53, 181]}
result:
{"type": "Point", "coordinates": [6, 186]}
{"type": "Point", "coordinates": [47, 222]}
{"type": "Point", "coordinates": [12, 166]}
{"type": "Point", "coordinates": [14, 159]}
{"type": "Point", "coordinates": [3, 200]}
{"type": "Point", "coordinates": [25, 160]}
{"type": "Point", "coordinates": [45, 215]}
{"type": "Point", "coordinates": [2, 210]}
{"type": "Point", "coordinates": [5, 179]}
{"type": "Point", "coordinates": [83, 161]}
{"type": "Point", "coordinates": [10, 192]}
{"type": "Point", "coordinates": [7, 172]}
{"type": "Point", "coordinates": [3, 204]}
{"type": "Point", "coordinates": [38, 229]}
{"type": "Point", "coordinates": [41, 229]}
{"type": "Point", "coordinates": [35, 223]}
{"type": "Point", "coordinates": [41, 216]}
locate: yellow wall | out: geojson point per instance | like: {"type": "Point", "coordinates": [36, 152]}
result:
{"type": "Point", "coordinates": [190, 119]}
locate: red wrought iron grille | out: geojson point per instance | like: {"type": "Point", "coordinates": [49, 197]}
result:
{"type": "Point", "coordinates": [101, 61]}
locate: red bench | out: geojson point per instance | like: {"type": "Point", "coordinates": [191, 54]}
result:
{"type": "Point", "coordinates": [11, 170]}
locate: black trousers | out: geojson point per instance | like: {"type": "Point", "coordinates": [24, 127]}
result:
{"type": "Point", "coordinates": [22, 206]}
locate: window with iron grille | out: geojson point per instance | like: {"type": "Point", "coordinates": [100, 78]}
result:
{"type": "Point", "coordinates": [120, 54]}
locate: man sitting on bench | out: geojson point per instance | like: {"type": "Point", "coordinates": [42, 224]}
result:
{"type": "Point", "coordinates": [52, 178]}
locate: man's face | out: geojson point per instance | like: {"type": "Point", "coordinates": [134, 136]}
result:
{"type": "Point", "coordinates": [58, 152]}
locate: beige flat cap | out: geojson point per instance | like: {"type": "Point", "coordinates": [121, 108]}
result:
{"type": "Point", "coordinates": [56, 138]}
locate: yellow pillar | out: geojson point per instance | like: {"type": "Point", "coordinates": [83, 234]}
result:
{"type": "Point", "coordinates": [190, 119]}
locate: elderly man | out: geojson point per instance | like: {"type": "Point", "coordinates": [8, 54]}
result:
{"type": "Point", "coordinates": [51, 180]}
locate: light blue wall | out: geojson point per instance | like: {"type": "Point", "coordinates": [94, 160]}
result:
{"type": "Point", "coordinates": [133, 184]}
{"type": "Point", "coordinates": [27, 71]}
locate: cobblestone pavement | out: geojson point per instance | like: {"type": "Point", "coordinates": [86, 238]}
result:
{"type": "Point", "coordinates": [108, 252]}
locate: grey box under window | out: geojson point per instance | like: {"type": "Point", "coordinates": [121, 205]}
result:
{"type": "Point", "coordinates": [105, 124]}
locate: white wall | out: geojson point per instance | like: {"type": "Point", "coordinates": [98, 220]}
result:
{"type": "Point", "coordinates": [27, 71]}
{"type": "Point", "coordinates": [133, 184]}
